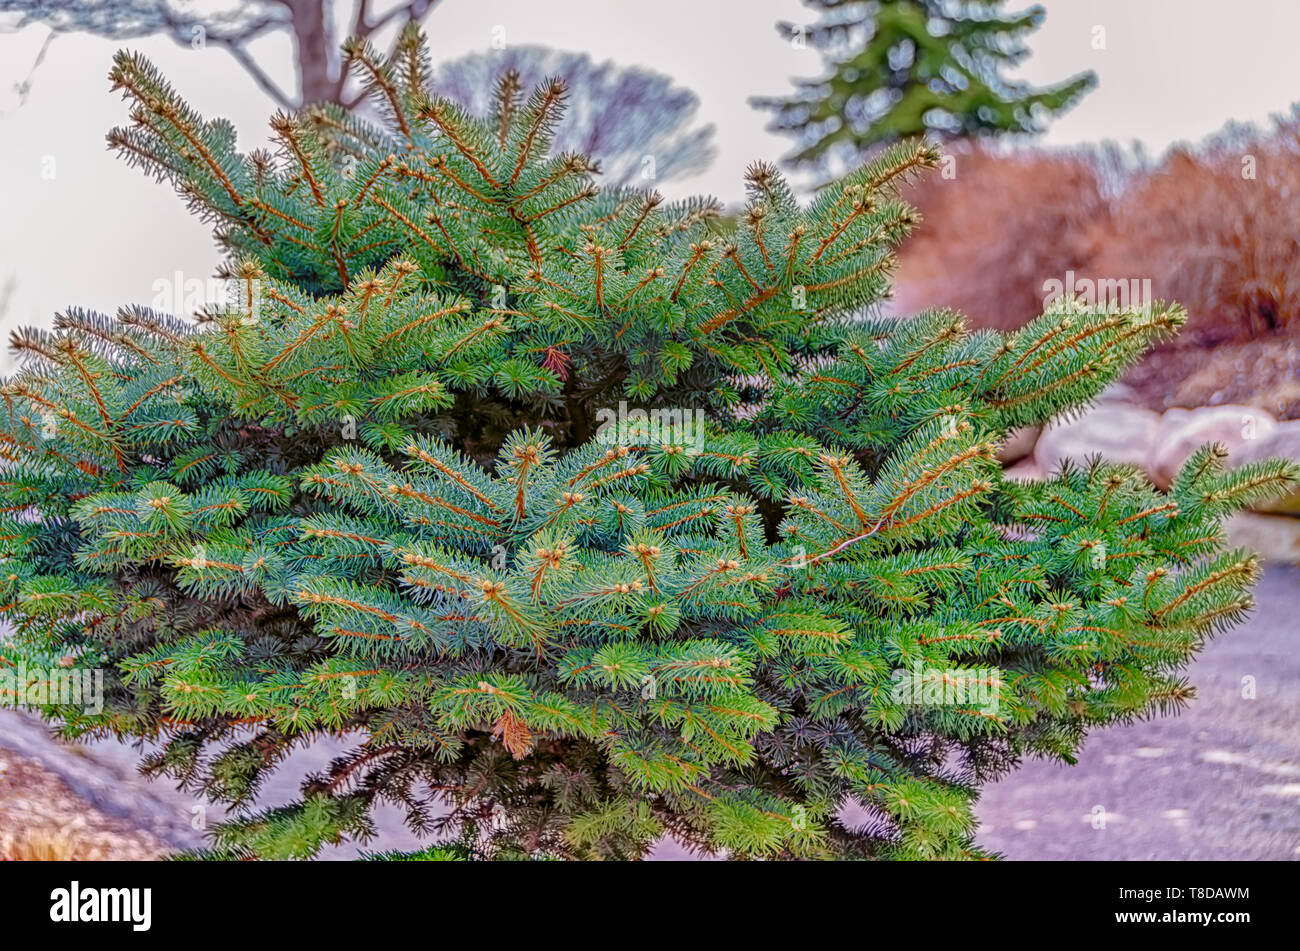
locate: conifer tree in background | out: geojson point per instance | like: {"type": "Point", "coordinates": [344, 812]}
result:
{"type": "Point", "coordinates": [905, 68]}
{"type": "Point", "coordinates": [396, 490]}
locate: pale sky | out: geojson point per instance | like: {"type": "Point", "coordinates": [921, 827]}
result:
{"type": "Point", "coordinates": [98, 234]}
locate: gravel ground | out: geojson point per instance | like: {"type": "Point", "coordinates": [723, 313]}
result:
{"type": "Point", "coordinates": [1219, 781]}
{"type": "Point", "coordinates": [41, 817]}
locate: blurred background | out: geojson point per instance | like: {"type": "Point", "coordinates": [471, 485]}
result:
{"type": "Point", "coordinates": [1144, 148]}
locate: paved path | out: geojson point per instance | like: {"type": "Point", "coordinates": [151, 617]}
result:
{"type": "Point", "coordinates": [1219, 781]}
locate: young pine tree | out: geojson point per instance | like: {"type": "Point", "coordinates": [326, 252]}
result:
{"type": "Point", "coordinates": [904, 68]}
{"type": "Point", "coordinates": [393, 491]}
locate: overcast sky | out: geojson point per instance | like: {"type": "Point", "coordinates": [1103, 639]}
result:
{"type": "Point", "coordinates": [98, 234]}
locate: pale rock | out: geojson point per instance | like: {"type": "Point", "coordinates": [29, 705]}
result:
{"type": "Point", "coordinates": [1117, 393]}
{"type": "Point", "coordinates": [1284, 442]}
{"type": "Point", "coordinates": [1118, 432]}
{"type": "Point", "coordinates": [1026, 470]}
{"type": "Point", "coordinates": [1181, 432]}
{"type": "Point", "coordinates": [1275, 537]}
{"type": "Point", "coordinates": [1019, 443]}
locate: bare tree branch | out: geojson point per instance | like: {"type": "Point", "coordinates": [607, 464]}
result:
{"type": "Point", "coordinates": [267, 84]}
{"type": "Point", "coordinates": [321, 74]}
{"type": "Point", "coordinates": [413, 11]}
{"type": "Point", "coordinates": [24, 86]}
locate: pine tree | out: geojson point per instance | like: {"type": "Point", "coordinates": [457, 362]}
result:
{"type": "Point", "coordinates": [392, 490]}
{"type": "Point", "coordinates": [905, 68]}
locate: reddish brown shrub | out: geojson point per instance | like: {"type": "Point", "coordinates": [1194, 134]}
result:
{"type": "Point", "coordinates": [1198, 225]}
{"type": "Point", "coordinates": [1005, 223]}
{"type": "Point", "coordinates": [1218, 229]}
